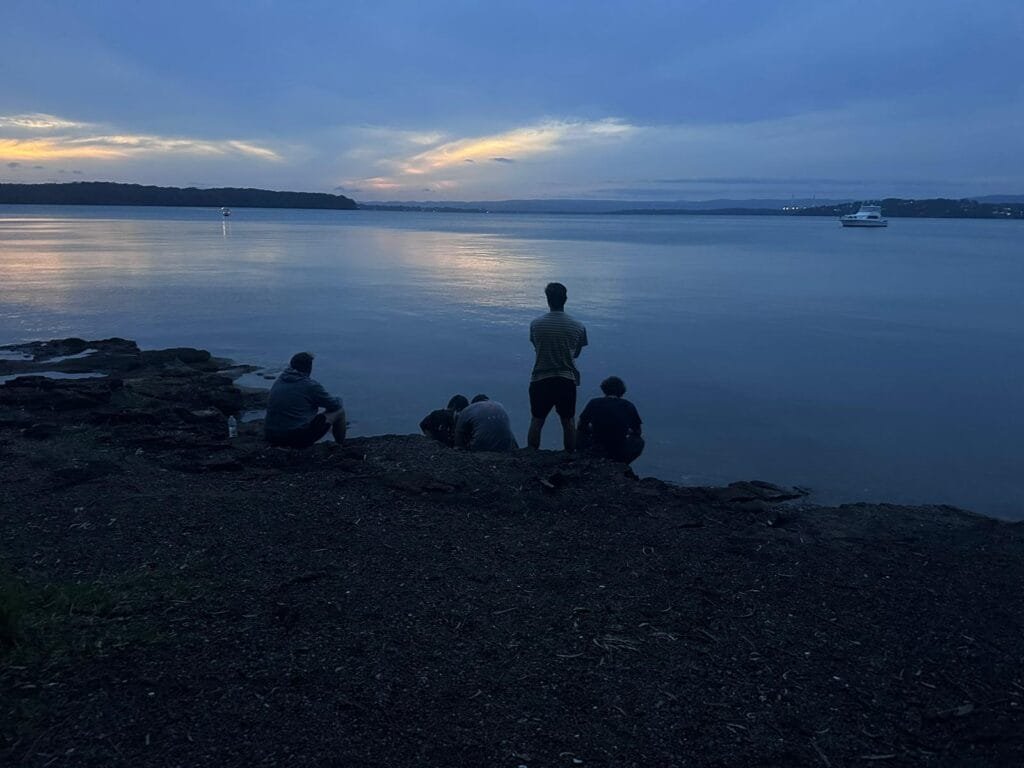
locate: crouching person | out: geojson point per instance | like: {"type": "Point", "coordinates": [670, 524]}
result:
{"type": "Point", "coordinates": [440, 424]}
{"type": "Point", "coordinates": [484, 426]}
{"type": "Point", "coordinates": [610, 426]}
{"type": "Point", "coordinates": [294, 419]}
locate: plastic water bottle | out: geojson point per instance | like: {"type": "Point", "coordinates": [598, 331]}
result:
{"type": "Point", "coordinates": [232, 426]}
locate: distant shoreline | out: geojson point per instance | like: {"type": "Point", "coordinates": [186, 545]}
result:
{"type": "Point", "coordinates": [109, 193]}
{"type": "Point", "coordinates": [134, 195]}
{"type": "Point", "coordinates": [894, 208]}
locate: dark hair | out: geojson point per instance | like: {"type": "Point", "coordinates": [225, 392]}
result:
{"type": "Point", "coordinates": [302, 362]}
{"type": "Point", "coordinates": [556, 294]}
{"type": "Point", "coordinates": [457, 403]}
{"type": "Point", "coordinates": [480, 398]}
{"type": "Point", "coordinates": [613, 386]}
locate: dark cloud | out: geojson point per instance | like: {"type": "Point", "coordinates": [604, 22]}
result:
{"type": "Point", "coordinates": [38, 167]}
{"type": "Point", "coordinates": [700, 67]}
{"type": "Point", "coordinates": [502, 160]}
{"type": "Point", "coordinates": [14, 165]}
{"type": "Point", "coordinates": [77, 173]}
{"type": "Point", "coordinates": [770, 60]}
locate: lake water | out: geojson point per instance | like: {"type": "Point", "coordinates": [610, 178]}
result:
{"type": "Point", "coordinates": [866, 364]}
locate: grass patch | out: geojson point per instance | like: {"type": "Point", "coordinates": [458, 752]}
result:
{"type": "Point", "coordinates": [48, 631]}
{"type": "Point", "coordinates": [62, 619]}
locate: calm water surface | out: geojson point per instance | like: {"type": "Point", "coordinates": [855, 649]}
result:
{"type": "Point", "coordinates": [868, 365]}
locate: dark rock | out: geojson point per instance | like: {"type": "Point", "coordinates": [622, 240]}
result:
{"type": "Point", "coordinates": [108, 356]}
{"type": "Point", "coordinates": [58, 348]}
{"type": "Point", "coordinates": [37, 393]}
{"type": "Point", "coordinates": [175, 369]}
{"type": "Point", "coordinates": [757, 490]}
{"type": "Point", "coordinates": [186, 355]}
{"type": "Point", "coordinates": [228, 400]}
{"type": "Point", "coordinates": [28, 380]}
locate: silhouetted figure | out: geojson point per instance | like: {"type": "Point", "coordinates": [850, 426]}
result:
{"type": "Point", "coordinates": [440, 424]}
{"type": "Point", "coordinates": [293, 418]}
{"type": "Point", "coordinates": [610, 426]}
{"type": "Point", "coordinates": [484, 426]}
{"type": "Point", "coordinates": [558, 340]}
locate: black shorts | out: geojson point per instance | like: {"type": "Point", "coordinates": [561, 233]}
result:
{"type": "Point", "coordinates": [303, 437]}
{"type": "Point", "coordinates": [553, 392]}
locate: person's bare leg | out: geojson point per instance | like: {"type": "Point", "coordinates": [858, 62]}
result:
{"type": "Point", "coordinates": [569, 434]}
{"type": "Point", "coordinates": [338, 424]}
{"type": "Point", "coordinates": [533, 436]}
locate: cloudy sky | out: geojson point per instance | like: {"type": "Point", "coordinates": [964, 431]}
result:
{"type": "Point", "coordinates": [684, 100]}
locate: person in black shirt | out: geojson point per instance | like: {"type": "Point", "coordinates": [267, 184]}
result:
{"type": "Point", "coordinates": [610, 426]}
{"type": "Point", "coordinates": [440, 424]}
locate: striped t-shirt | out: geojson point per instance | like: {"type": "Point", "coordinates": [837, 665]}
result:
{"type": "Point", "coordinates": [558, 340]}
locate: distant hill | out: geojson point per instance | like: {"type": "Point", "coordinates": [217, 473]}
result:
{"type": "Point", "coordinates": [109, 193]}
{"type": "Point", "coordinates": [596, 206]}
{"type": "Point", "coordinates": [1001, 199]}
{"type": "Point", "coordinates": [938, 208]}
{"type": "Point", "coordinates": [997, 207]}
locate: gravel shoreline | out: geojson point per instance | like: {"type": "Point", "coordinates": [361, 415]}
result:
{"type": "Point", "coordinates": [171, 597]}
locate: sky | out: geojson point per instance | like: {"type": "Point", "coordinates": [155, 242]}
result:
{"type": "Point", "coordinates": [380, 100]}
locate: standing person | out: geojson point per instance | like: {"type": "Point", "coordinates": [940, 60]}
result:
{"type": "Point", "coordinates": [610, 425]}
{"type": "Point", "coordinates": [440, 424]}
{"type": "Point", "coordinates": [293, 418]}
{"type": "Point", "coordinates": [558, 340]}
{"type": "Point", "coordinates": [484, 426]}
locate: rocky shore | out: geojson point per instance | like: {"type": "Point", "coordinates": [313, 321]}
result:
{"type": "Point", "coordinates": [170, 596]}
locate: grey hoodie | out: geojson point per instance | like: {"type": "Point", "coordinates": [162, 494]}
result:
{"type": "Point", "coordinates": [294, 402]}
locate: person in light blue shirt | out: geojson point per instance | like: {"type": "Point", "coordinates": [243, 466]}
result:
{"type": "Point", "coordinates": [484, 426]}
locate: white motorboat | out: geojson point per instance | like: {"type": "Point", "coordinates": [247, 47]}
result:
{"type": "Point", "coordinates": [225, 211]}
{"type": "Point", "coordinates": [867, 216]}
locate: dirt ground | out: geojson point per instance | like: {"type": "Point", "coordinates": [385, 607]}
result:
{"type": "Point", "coordinates": [172, 597]}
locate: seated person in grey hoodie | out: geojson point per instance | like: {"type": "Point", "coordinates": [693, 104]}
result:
{"type": "Point", "coordinates": [293, 418]}
{"type": "Point", "coordinates": [610, 426]}
{"type": "Point", "coordinates": [484, 426]}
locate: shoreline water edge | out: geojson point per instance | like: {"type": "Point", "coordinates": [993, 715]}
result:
{"type": "Point", "coordinates": [173, 595]}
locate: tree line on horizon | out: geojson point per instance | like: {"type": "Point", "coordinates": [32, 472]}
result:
{"type": "Point", "coordinates": [935, 208]}
{"type": "Point", "coordinates": [111, 193]}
